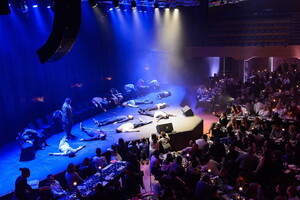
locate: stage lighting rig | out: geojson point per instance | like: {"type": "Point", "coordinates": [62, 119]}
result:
{"type": "Point", "coordinates": [93, 3]}
{"type": "Point", "coordinates": [116, 3]}
{"type": "Point", "coordinates": [133, 4]}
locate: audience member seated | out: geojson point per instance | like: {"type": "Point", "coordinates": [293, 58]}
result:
{"type": "Point", "coordinates": [165, 142]}
{"type": "Point", "coordinates": [57, 191]}
{"type": "Point", "coordinates": [177, 167]}
{"type": "Point", "coordinates": [72, 177]}
{"type": "Point", "coordinates": [203, 144]}
{"type": "Point", "coordinates": [167, 162]}
{"type": "Point", "coordinates": [85, 168]}
{"type": "Point", "coordinates": [114, 155]}
{"type": "Point", "coordinates": [99, 161]}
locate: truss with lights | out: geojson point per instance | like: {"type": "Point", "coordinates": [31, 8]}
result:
{"type": "Point", "coordinates": [25, 5]}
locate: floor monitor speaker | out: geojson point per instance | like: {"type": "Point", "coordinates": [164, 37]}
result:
{"type": "Point", "coordinates": [164, 128]}
{"type": "Point", "coordinates": [187, 111]}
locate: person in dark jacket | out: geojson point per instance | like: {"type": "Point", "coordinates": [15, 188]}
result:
{"type": "Point", "coordinates": [21, 186]}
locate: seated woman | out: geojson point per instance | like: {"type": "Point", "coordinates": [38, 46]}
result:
{"type": "Point", "coordinates": [289, 113]}
{"type": "Point", "coordinates": [265, 112]}
{"type": "Point", "coordinates": [72, 177]}
{"type": "Point", "coordinates": [239, 111]}
{"type": "Point", "coordinates": [114, 155]}
{"type": "Point", "coordinates": [255, 124]}
{"type": "Point", "coordinates": [222, 122]}
{"type": "Point", "coordinates": [65, 149]}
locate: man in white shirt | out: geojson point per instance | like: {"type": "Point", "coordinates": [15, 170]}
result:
{"type": "Point", "coordinates": [99, 161]}
{"type": "Point", "coordinates": [65, 149]}
{"type": "Point", "coordinates": [131, 127]}
{"type": "Point", "coordinates": [265, 112]}
{"type": "Point", "coordinates": [203, 144]}
{"type": "Point", "coordinates": [158, 115]}
{"type": "Point", "coordinates": [258, 105]}
{"type": "Point", "coordinates": [56, 188]}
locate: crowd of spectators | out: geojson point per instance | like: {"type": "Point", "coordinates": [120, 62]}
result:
{"type": "Point", "coordinates": [254, 147]}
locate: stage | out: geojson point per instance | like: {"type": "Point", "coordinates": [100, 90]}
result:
{"type": "Point", "coordinates": [185, 128]}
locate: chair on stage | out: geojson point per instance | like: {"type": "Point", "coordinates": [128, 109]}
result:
{"type": "Point", "coordinates": [27, 148]}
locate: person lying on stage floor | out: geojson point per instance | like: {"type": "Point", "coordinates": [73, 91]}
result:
{"type": "Point", "coordinates": [158, 115]}
{"type": "Point", "coordinates": [135, 103]}
{"type": "Point", "coordinates": [95, 134]}
{"type": "Point", "coordinates": [39, 140]}
{"type": "Point", "coordinates": [114, 120]}
{"type": "Point", "coordinates": [163, 95]}
{"type": "Point", "coordinates": [132, 127]}
{"type": "Point", "coordinates": [155, 107]}
{"type": "Point", "coordinates": [65, 149]}
{"type": "Point", "coordinates": [154, 85]}
{"type": "Point", "coordinates": [100, 103]}
{"type": "Point", "coordinates": [131, 92]}
{"type": "Point", "coordinates": [116, 96]}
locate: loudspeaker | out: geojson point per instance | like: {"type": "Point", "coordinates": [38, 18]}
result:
{"type": "Point", "coordinates": [66, 24]}
{"type": "Point", "coordinates": [4, 7]}
{"type": "Point", "coordinates": [164, 127]}
{"type": "Point", "coordinates": [187, 111]}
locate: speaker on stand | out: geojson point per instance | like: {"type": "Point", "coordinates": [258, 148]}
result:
{"type": "Point", "coordinates": [66, 24]}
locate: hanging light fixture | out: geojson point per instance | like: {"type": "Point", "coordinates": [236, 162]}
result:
{"type": "Point", "coordinates": [133, 4]}
{"type": "Point", "coordinates": [93, 3]}
{"type": "Point", "coordinates": [116, 3]}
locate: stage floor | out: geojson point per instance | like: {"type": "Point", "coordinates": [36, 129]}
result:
{"type": "Point", "coordinates": [43, 164]}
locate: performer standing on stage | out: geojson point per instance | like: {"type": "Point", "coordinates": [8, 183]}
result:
{"type": "Point", "coordinates": [155, 107]}
{"type": "Point", "coordinates": [114, 120]}
{"type": "Point", "coordinates": [67, 121]}
{"type": "Point", "coordinates": [132, 127]}
{"type": "Point", "coordinates": [95, 134]}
